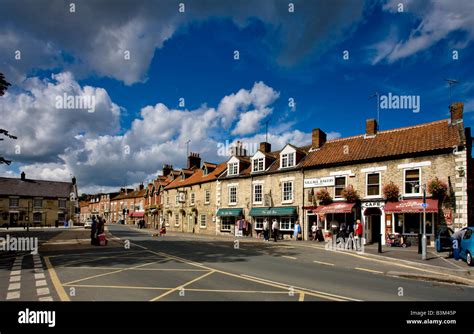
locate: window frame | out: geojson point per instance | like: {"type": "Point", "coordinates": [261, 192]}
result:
{"type": "Point", "coordinates": [17, 199]}
{"type": "Point", "coordinates": [420, 192]}
{"type": "Point", "coordinates": [285, 157]}
{"type": "Point", "coordinates": [59, 203]}
{"type": "Point", "coordinates": [192, 199]}
{"type": "Point", "coordinates": [256, 164]}
{"type": "Point", "coordinates": [201, 220]}
{"type": "Point", "coordinates": [233, 168]}
{"type": "Point", "coordinates": [254, 193]}
{"type": "Point", "coordinates": [230, 195]}
{"type": "Point", "coordinates": [290, 223]}
{"type": "Point", "coordinates": [339, 187]}
{"type": "Point", "coordinates": [367, 185]}
{"type": "Point", "coordinates": [283, 183]}
{"type": "Point", "coordinates": [207, 196]}
{"type": "Point", "coordinates": [37, 206]}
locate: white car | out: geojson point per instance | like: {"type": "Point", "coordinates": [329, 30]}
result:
{"type": "Point", "coordinates": [88, 223]}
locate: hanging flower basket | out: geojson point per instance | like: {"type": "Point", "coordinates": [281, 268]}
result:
{"type": "Point", "coordinates": [350, 194]}
{"type": "Point", "coordinates": [324, 197]}
{"type": "Point", "coordinates": [437, 188]}
{"type": "Point", "coordinates": [391, 192]}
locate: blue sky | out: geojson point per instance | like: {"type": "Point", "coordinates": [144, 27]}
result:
{"type": "Point", "coordinates": [191, 55]}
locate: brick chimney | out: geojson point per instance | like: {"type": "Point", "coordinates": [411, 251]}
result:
{"type": "Point", "coordinates": [456, 110]}
{"type": "Point", "coordinates": [319, 138]}
{"type": "Point", "coordinates": [371, 127]}
{"type": "Point", "coordinates": [141, 187]}
{"type": "Point", "coordinates": [167, 169]}
{"type": "Point", "coordinates": [194, 161]}
{"type": "Point", "coordinates": [23, 176]}
{"type": "Point", "coordinates": [265, 147]}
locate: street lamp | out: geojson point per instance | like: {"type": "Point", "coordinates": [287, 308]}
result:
{"type": "Point", "coordinates": [423, 228]}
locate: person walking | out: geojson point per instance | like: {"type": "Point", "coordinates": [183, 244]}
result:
{"type": "Point", "coordinates": [314, 229]}
{"type": "Point", "coordinates": [297, 231]}
{"type": "Point", "coordinates": [266, 230]}
{"type": "Point", "coordinates": [93, 231]}
{"type": "Point", "coordinates": [275, 229]}
{"type": "Point", "coordinates": [358, 234]}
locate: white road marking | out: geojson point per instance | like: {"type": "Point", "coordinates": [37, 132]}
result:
{"type": "Point", "coordinates": [15, 278]}
{"type": "Point", "coordinates": [325, 263]}
{"type": "Point", "coordinates": [13, 295]}
{"type": "Point", "coordinates": [369, 270]}
{"type": "Point", "coordinates": [39, 270]}
{"type": "Point", "coordinates": [46, 299]}
{"type": "Point", "coordinates": [289, 257]}
{"type": "Point", "coordinates": [41, 283]}
{"type": "Point", "coordinates": [15, 272]}
{"type": "Point", "coordinates": [42, 291]}
{"type": "Point", "coordinates": [39, 276]}
{"type": "Point", "coordinates": [14, 286]}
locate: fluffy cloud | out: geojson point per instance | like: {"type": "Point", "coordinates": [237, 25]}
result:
{"type": "Point", "coordinates": [98, 33]}
{"type": "Point", "coordinates": [437, 20]}
{"type": "Point", "coordinates": [57, 144]}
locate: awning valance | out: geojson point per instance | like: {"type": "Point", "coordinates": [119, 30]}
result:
{"type": "Point", "coordinates": [340, 207]}
{"type": "Point", "coordinates": [136, 214]}
{"type": "Point", "coordinates": [230, 212]}
{"type": "Point", "coordinates": [274, 211]}
{"type": "Point", "coordinates": [411, 206]}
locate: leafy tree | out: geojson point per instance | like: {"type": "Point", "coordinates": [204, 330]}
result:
{"type": "Point", "coordinates": [3, 87]}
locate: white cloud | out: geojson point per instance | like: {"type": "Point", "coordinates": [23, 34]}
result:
{"type": "Point", "coordinates": [437, 20]}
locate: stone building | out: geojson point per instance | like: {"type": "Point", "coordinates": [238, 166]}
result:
{"type": "Point", "coordinates": [128, 206]}
{"type": "Point", "coordinates": [25, 201]}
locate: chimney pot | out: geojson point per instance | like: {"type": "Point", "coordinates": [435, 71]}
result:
{"type": "Point", "coordinates": [456, 110]}
{"type": "Point", "coordinates": [319, 138]}
{"type": "Point", "coordinates": [371, 127]}
{"type": "Point", "coordinates": [23, 176]}
{"type": "Point", "coordinates": [194, 161]}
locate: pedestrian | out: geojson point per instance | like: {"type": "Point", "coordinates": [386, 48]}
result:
{"type": "Point", "coordinates": [297, 231]}
{"type": "Point", "coordinates": [314, 229]}
{"type": "Point", "coordinates": [266, 230]}
{"type": "Point", "coordinates": [275, 229]}
{"type": "Point", "coordinates": [93, 231]}
{"type": "Point", "coordinates": [358, 234]}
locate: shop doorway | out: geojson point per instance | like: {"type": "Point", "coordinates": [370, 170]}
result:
{"type": "Point", "coordinates": [373, 220]}
{"type": "Point", "coordinates": [13, 219]}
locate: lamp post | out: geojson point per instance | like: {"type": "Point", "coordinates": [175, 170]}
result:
{"type": "Point", "coordinates": [423, 239]}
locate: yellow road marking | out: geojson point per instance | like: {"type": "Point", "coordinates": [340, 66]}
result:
{"type": "Point", "coordinates": [369, 270]}
{"type": "Point", "coordinates": [289, 257]}
{"type": "Point", "coordinates": [92, 253]}
{"type": "Point", "coordinates": [118, 287]}
{"type": "Point", "coordinates": [56, 282]}
{"type": "Point", "coordinates": [182, 286]}
{"type": "Point", "coordinates": [141, 269]}
{"type": "Point", "coordinates": [237, 291]}
{"type": "Point", "coordinates": [96, 259]}
{"type": "Point", "coordinates": [325, 263]}
{"type": "Point", "coordinates": [109, 273]}
{"type": "Point", "coordinates": [301, 299]}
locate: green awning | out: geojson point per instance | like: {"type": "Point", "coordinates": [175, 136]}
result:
{"type": "Point", "coordinates": [275, 211]}
{"type": "Point", "coordinates": [230, 212]}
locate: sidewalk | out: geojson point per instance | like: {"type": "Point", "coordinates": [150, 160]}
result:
{"type": "Point", "coordinates": [437, 267]}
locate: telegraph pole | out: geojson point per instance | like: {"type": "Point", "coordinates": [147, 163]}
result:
{"type": "Point", "coordinates": [423, 239]}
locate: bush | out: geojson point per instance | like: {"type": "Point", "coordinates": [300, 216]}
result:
{"type": "Point", "coordinates": [324, 197]}
{"type": "Point", "coordinates": [391, 192]}
{"type": "Point", "coordinates": [437, 188]}
{"type": "Point", "coordinates": [350, 194]}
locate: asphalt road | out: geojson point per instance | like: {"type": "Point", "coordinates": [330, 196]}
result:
{"type": "Point", "coordinates": [188, 268]}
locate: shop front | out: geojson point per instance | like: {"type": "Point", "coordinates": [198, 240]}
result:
{"type": "Point", "coordinates": [374, 221]}
{"type": "Point", "coordinates": [286, 217]}
{"type": "Point", "coordinates": [136, 216]}
{"type": "Point", "coordinates": [229, 219]}
{"type": "Point", "coordinates": [406, 218]}
{"type": "Point", "coordinates": [330, 217]}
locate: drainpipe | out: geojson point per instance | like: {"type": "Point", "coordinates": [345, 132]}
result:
{"type": "Point", "coordinates": [303, 220]}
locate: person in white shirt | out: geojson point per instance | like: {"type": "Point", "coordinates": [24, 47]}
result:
{"type": "Point", "coordinates": [275, 228]}
{"type": "Point", "coordinates": [266, 230]}
{"type": "Point", "coordinates": [314, 228]}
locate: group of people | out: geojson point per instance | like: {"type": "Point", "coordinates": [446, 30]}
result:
{"type": "Point", "coordinates": [266, 230]}
{"type": "Point", "coordinates": [342, 230]}
{"type": "Point", "coordinates": [97, 231]}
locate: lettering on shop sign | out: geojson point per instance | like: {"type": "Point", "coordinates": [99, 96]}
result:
{"type": "Point", "coordinates": [319, 182]}
{"type": "Point", "coordinates": [373, 205]}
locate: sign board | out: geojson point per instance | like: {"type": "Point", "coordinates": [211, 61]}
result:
{"type": "Point", "coordinates": [319, 182]}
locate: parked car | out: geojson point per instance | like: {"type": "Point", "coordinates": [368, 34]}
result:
{"type": "Point", "coordinates": [88, 223]}
{"type": "Point", "coordinates": [444, 242]}
{"type": "Point", "coordinates": [467, 246]}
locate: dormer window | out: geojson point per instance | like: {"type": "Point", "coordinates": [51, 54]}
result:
{"type": "Point", "coordinates": [233, 168]}
{"type": "Point", "coordinates": [258, 165]}
{"type": "Point", "coordinates": [205, 172]}
{"type": "Point", "coordinates": [287, 160]}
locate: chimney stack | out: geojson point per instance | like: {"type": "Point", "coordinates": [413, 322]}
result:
{"type": "Point", "coordinates": [194, 161]}
{"type": "Point", "coordinates": [265, 147]}
{"type": "Point", "coordinates": [238, 149]}
{"type": "Point", "coordinates": [74, 180]}
{"type": "Point", "coordinates": [318, 139]}
{"type": "Point", "coordinates": [167, 169]}
{"type": "Point", "coordinates": [23, 176]}
{"type": "Point", "coordinates": [371, 127]}
{"type": "Point", "coordinates": [456, 110]}
{"type": "Point", "coordinates": [141, 187]}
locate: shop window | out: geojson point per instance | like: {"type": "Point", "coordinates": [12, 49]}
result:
{"type": "Point", "coordinates": [257, 193]}
{"type": "Point", "coordinates": [340, 184]}
{"type": "Point", "coordinates": [259, 223]}
{"type": "Point", "coordinates": [412, 181]}
{"type": "Point", "coordinates": [233, 168]}
{"type": "Point", "coordinates": [288, 160]}
{"type": "Point", "coordinates": [411, 223]}
{"type": "Point", "coordinates": [232, 195]}
{"type": "Point", "coordinates": [37, 203]}
{"type": "Point", "coordinates": [287, 224]}
{"type": "Point", "coordinates": [373, 184]}
{"type": "Point", "coordinates": [258, 164]}
{"type": "Point", "coordinates": [203, 221]}
{"type": "Point", "coordinates": [226, 223]}
{"type": "Point", "coordinates": [287, 191]}
{"type": "Point", "coordinates": [207, 196]}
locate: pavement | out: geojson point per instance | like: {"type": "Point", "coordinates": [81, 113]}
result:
{"type": "Point", "coordinates": [136, 265]}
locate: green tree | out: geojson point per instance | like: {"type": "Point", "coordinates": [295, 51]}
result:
{"type": "Point", "coordinates": [3, 87]}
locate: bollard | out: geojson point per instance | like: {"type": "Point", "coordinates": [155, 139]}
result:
{"type": "Point", "coordinates": [380, 243]}
{"type": "Point", "coordinates": [419, 244]}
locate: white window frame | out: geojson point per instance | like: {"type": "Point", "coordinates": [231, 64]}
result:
{"type": "Point", "coordinates": [367, 185]}
{"type": "Point", "coordinates": [420, 192]}
{"type": "Point", "coordinates": [207, 196]}
{"type": "Point", "coordinates": [259, 223]}
{"type": "Point", "coordinates": [233, 168]}
{"type": "Point", "coordinates": [176, 219]}
{"type": "Point", "coordinates": [192, 199]}
{"type": "Point", "coordinates": [230, 195]}
{"type": "Point", "coordinates": [285, 160]}
{"type": "Point", "coordinates": [59, 203]}
{"type": "Point", "coordinates": [17, 199]}
{"type": "Point", "coordinates": [225, 224]}
{"type": "Point", "coordinates": [254, 193]}
{"type": "Point", "coordinates": [38, 206]}
{"type": "Point", "coordinates": [291, 223]}
{"type": "Point", "coordinates": [176, 203]}
{"type": "Point", "coordinates": [201, 220]}
{"type": "Point", "coordinates": [335, 185]}
{"type": "Point", "coordinates": [283, 200]}
{"type": "Point", "coordinates": [258, 164]}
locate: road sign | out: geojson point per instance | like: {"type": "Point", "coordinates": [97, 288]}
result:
{"type": "Point", "coordinates": [424, 205]}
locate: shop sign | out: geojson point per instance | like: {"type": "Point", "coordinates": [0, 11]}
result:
{"type": "Point", "coordinates": [374, 204]}
{"type": "Point", "coordinates": [319, 182]}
